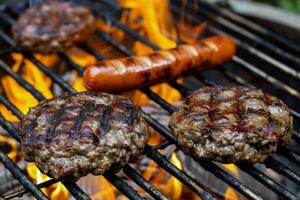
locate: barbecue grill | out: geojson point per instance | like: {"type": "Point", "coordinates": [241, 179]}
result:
{"type": "Point", "coordinates": [257, 47]}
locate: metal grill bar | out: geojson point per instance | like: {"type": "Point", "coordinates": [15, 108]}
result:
{"type": "Point", "coordinates": [24, 180]}
{"type": "Point", "coordinates": [171, 108]}
{"type": "Point", "coordinates": [123, 186]}
{"type": "Point", "coordinates": [162, 161]}
{"type": "Point", "coordinates": [143, 183]}
{"type": "Point", "coordinates": [282, 169]}
{"type": "Point", "coordinates": [270, 183]}
{"type": "Point", "coordinates": [178, 173]}
{"type": "Point", "coordinates": [23, 191]}
{"type": "Point", "coordinates": [251, 25]}
{"type": "Point", "coordinates": [255, 38]}
{"type": "Point", "coordinates": [25, 84]}
{"type": "Point", "coordinates": [156, 125]}
{"type": "Point", "coordinates": [11, 107]}
{"type": "Point", "coordinates": [258, 54]}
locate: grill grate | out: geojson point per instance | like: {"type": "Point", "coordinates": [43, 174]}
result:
{"type": "Point", "coordinates": [151, 152]}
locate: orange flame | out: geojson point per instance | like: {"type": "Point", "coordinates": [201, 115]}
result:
{"type": "Point", "coordinates": [19, 96]}
{"type": "Point", "coordinates": [12, 154]}
{"type": "Point", "coordinates": [107, 191]}
{"type": "Point", "coordinates": [56, 191]}
{"type": "Point", "coordinates": [230, 194]}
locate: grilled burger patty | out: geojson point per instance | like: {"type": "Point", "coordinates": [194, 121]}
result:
{"type": "Point", "coordinates": [231, 124]}
{"type": "Point", "coordinates": [53, 26]}
{"type": "Point", "coordinates": [73, 135]}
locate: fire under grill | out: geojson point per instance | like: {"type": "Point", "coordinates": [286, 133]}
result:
{"type": "Point", "coordinates": [261, 54]}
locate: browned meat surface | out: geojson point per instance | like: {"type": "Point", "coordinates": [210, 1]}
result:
{"type": "Point", "coordinates": [53, 26]}
{"type": "Point", "coordinates": [73, 135]}
{"type": "Point", "coordinates": [231, 124]}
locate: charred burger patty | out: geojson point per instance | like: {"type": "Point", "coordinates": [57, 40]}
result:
{"type": "Point", "coordinates": [231, 124]}
{"type": "Point", "coordinates": [73, 135]}
{"type": "Point", "coordinates": [53, 26]}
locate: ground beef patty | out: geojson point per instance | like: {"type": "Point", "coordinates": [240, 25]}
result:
{"type": "Point", "coordinates": [73, 135]}
{"type": "Point", "coordinates": [231, 124]}
{"type": "Point", "coordinates": [53, 26]}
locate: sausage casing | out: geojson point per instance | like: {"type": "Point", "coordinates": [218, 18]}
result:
{"type": "Point", "coordinates": [123, 74]}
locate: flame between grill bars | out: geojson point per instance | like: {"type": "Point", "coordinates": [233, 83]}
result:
{"type": "Point", "coordinates": [278, 54]}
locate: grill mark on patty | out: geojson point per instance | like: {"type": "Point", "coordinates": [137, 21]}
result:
{"type": "Point", "coordinates": [238, 111]}
{"type": "Point", "coordinates": [104, 123]}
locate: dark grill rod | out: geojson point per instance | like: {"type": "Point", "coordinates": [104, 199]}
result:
{"type": "Point", "coordinates": [21, 81]}
{"type": "Point", "coordinates": [92, 51]}
{"type": "Point", "coordinates": [290, 155]}
{"type": "Point", "coordinates": [122, 186]}
{"type": "Point", "coordinates": [163, 162]}
{"type": "Point", "coordinates": [156, 98]}
{"type": "Point", "coordinates": [76, 192]}
{"type": "Point", "coordinates": [266, 178]}
{"type": "Point", "coordinates": [24, 180]}
{"type": "Point", "coordinates": [282, 169]}
{"type": "Point", "coordinates": [252, 25]}
{"type": "Point", "coordinates": [70, 62]}
{"type": "Point", "coordinates": [220, 173]}
{"type": "Point", "coordinates": [10, 128]}
{"type": "Point", "coordinates": [267, 77]}
{"type": "Point", "coordinates": [21, 192]}
{"type": "Point", "coordinates": [11, 107]}
{"type": "Point", "coordinates": [270, 183]}
{"type": "Point", "coordinates": [247, 47]}
{"type": "Point", "coordinates": [143, 183]}
{"type": "Point", "coordinates": [133, 33]}
{"type": "Point", "coordinates": [42, 67]}
{"type": "Point", "coordinates": [255, 38]}
{"type": "Point", "coordinates": [106, 37]}
{"type": "Point", "coordinates": [134, 176]}
{"type": "Point", "coordinates": [159, 128]}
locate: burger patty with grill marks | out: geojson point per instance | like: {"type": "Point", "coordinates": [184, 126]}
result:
{"type": "Point", "coordinates": [231, 124]}
{"type": "Point", "coordinates": [53, 26]}
{"type": "Point", "coordinates": [73, 135]}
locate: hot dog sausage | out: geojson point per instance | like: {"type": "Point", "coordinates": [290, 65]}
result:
{"type": "Point", "coordinates": [129, 73]}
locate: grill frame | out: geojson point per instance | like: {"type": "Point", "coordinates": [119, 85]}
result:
{"type": "Point", "coordinates": [150, 151]}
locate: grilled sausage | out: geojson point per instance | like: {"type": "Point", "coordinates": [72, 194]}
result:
{"type": "Point", "coordinates": [124, 74]}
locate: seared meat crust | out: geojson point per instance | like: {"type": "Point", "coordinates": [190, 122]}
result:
{"type": "Point", "coordinates": [53, 26]}
{"type": "Point", "coordinates": [231, 124]}
{"type": "Point", "coordinates": [73, 135]}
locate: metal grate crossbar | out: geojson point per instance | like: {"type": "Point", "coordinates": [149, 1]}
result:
{"type": "Point", "coordinates": [231, 21]}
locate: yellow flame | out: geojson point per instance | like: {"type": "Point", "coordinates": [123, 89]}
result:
{"type": "Point", "coordinates": [13, 144]}
{"type": "Point", "coordinates": [19, 96]}
{"type": "Point", "coordinates": [174, 186]}
{"type": "Point", "coordinates": [230, 194]}
{"type": "Point", "coordinates": [107, 191]}
{"type": "Point", "coordinates": [232, 168]}
{"type": "Point", "coordinates": [152, 18]}
{"type": "Point", "coordinates": [56, 191]}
